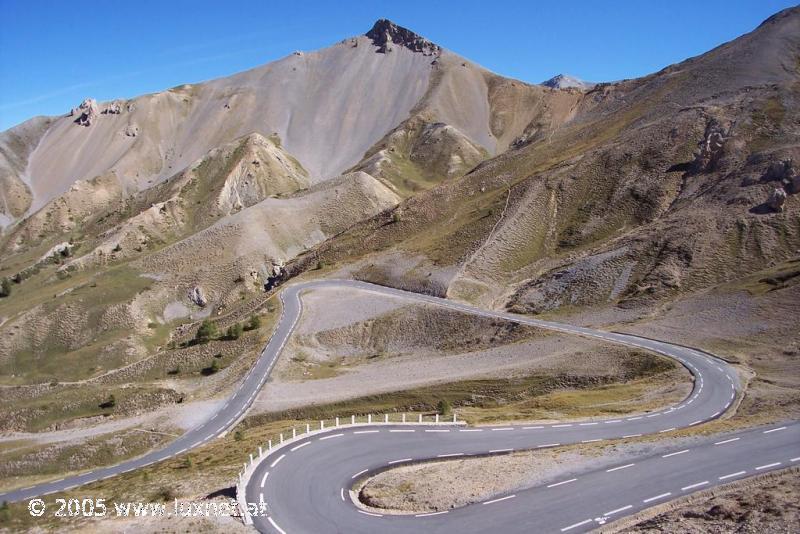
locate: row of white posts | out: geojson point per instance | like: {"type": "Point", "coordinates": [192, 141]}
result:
{"type": "Point", "coordinates": [247, 466]}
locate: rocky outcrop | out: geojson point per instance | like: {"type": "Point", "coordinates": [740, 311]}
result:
{"type": "Point", "coordinates": [776, 200]}
{"type": "Point", "coordinates": [197, 296]}
{"type": "Point", "coordinates": [793, 185]}
{"type": "Point", "coordinates": [710, 148]}
{"type": "Point", "coordinates": [86, 113]}
{"type": "Point", "coordinates": [386, 33]}
{"type": "Point", "coordinates": [785, 173]}
{"type": "Point", "coordinates": [114, 108]}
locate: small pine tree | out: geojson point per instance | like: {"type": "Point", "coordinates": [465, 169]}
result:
{"type": "Point", "coordinates": [255, 322]}
{"type": "Point", "coordinates": [206, 332]}
{"type": "Point", "coordinates": [187, 463]}
{"type": "Point", "coordinates": [444, 407]}
{"type": "Point", "coordinates": [235, 331]}
{"type": "Point", "coordinates": [238, 435]}
{"type": "Point", "coordinates": [5, 287]}
{"type": "Point", "coordinates": [214, 366]}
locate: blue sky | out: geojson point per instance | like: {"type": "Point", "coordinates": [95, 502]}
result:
{"type": "Point", "coordinates": [55, 53]}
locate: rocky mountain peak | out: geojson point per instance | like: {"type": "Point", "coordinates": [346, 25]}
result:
{"type": "Point", "coordinates": [385, 33]}
{"type": "Point", "coordinates": [564, 81]}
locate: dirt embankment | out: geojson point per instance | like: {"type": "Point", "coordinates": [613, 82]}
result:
{"type": "Point", "coordinates": [767, 504]}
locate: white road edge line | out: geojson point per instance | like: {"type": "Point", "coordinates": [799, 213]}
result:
{"type": "Point", "coordinates": [767, 466]}
{"type": "Point", "coordinates": [562, 483]}
{"type": "Point", "coordinates": [431, 513]}
{"type": "Point", "coordinates": [618, 468]}
{"type": "Point", "coordinates": [736, 474]}
{"type": "Point", "coordinates": [500, 499]}
{"type": "Point", "coordinates": [576, 525]}
{"type": "Point", "coordinates": [618, 510]}
{"type": "Point", "coordinates": [696, 485]}
{"type": "Point", "coordinates": [651, 499]}
{"type": "Point", "coordinates": [275, 525]}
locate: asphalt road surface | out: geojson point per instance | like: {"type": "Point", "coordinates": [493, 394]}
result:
{"type": "Point", "coordinates": [306, 485]}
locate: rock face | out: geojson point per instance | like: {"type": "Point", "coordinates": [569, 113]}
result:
{"type": "Point", "coordinates": [86, 113]}
{"type": "Point", "coordinates": [776, 200]}
{"type": "Point", "coordinates": [385, 33]}
{"type": "Point", "coordinates": [710, 148]}
{"type": "Point", "coordinates": [197, 296]}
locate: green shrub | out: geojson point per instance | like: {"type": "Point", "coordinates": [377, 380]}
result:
{"type": "Point", "coordinates": [110, 403]}
{"type": "Point", "coordinates": [444, 407]}
{"type": "Point", "coordinates": [254, 323]}
{"type": "Point", "coordinates": [235, 331]}
{"type": "Point", "coordinates": [5, 287]}
{"type": "Point", "coordinates": [206, 332]}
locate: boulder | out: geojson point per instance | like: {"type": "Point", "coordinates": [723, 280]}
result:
{"type": "Point", "coordinates": [131, 130]}
{"type": "Point", "coordinates": [197, 296]}
{"type": "Point", "coordinates": [776, 200]}
{"type": "Point", "coordinates": [710, 148]}
{"type": "Point", "coordinates": [86, 113]}
{"type": "Point", "coordinates": [793, 184]}
{"type": "Point", "coordinates": [780, 171]}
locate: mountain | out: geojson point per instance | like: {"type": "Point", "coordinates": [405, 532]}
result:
{"type": "Point", "coordinates": [565, 81]}
{"type": "Point", "coordinates": [654, 187]}
{"type": "Point", "coordinates": [192, 200]}
{"type": "Point", "coordinates": [389, 158]}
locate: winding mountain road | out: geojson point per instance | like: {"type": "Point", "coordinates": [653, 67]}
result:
{"type": "Point", "coordinates": [306, 483]}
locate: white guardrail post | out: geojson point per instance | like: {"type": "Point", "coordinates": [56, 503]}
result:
{"type": "Point", "coordinates": [248, 470]}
